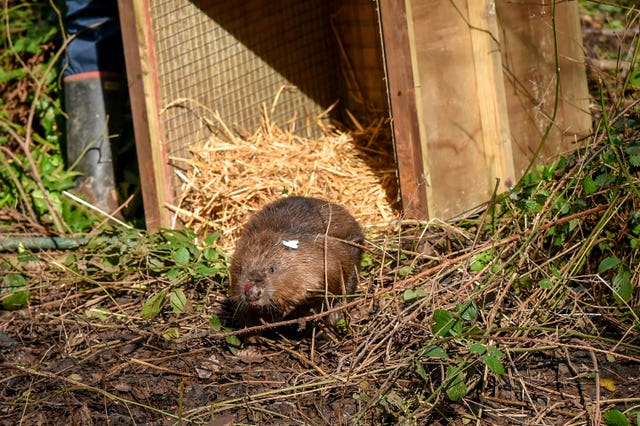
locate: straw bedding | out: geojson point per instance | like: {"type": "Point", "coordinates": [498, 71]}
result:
{"type": "Point", "coordinates": [234, 173]}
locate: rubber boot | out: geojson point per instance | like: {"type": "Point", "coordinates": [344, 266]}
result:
{"type": "Point", "coordinates": [93, 104]}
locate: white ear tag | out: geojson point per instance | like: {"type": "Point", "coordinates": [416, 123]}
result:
{"type": "Point", "coordinates": [292, 244]}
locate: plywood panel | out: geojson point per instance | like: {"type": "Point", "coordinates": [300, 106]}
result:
{"type": "Point", "coordinates": [460, 170]}
{"type": "Point", "coordinates": [492, 102]}
{"type": "Point", "coordinates": [483, 79]}
{"type": "Point", "coordinates": [403, 98]}
{"type": "Point", "coordinates": [528, 51]}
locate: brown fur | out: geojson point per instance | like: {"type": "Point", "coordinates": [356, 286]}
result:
{"type": "Point", "coordinates": [271, 281]}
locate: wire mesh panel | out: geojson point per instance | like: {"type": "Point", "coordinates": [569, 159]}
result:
{"type": "Point", "coordinates": [235, 58]}
{"type": "Point", "coordinates": [357, 31]}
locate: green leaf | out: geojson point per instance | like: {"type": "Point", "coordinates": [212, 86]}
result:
{"type": "Point", "coordinates": [211, 253]}
{"type": "Point", "coordinates": [234, 344]}
{"type": "Point", "coordinates": [16, 300]}
{"type": "Point", "coordinates": [171, 333]}
{"type": "Point", "coordinates": [433, 351]}
{"type": "Point", "coordinates": [589, 185]}
{"type": "Point", "coordinates": [26, 45]}
{"type": "Point", "coordinates": [481, 260]}
{"type": "Point", "coordinates": [494, 364]}
{"type": "Point", "coordinates": [204, 270]}
{"type": "Point", "coordinates": [476, 266]}
{"type": "Point", "coordinates": [181, 256]}
{"type": "Point", "coordinates": [456, 388]}
{"type": "Point", "coordinates": [13, 291]}
{"type": "Point", "coordinates": [172, 274]}
{"type": "Point", "coordinates": [411, 295]}
{"type": "Point", "coordinates": [12, 282]}
{"type": "Point", "coordinates": [152, 307]}
{"type": "Point", "coordinates": [634, 77]}
{"type": "Point", "coordinates": [602, 179]}
{"type": "Point", "coordinates": [215, 323]}
{"type": "Point", "coordinates": [622, 287]}
{"type": "Point", "coordinates": [403, 271]}
{"type": "Point", "coordinates": [99, 313]}
{"type": "Point", "coordinates": [367, 260]}
{"type": "Point", "coordinates": [615, 418]}
{"type": "Point", "coordinates": [341, 325]}
{"type": "Point", "coordinates": [477, 348]}
{"type": "Point", "coordinates": [532, 207]}
{"type": "Point", "coordinates": [573, 224]}
{"type": "Point", "coordinates": [234, 341]}
{"type": "Point", "coordinates": [468, 311]}
{"type": "Point", "coordinates": [180, 238]}
{"type": "Point", "coordinates": [493, 351]}
{"type": "Point", "coordinates": [546, 283]}
{"type": "Point", "coordinates": [178, 300]}
{"type": "Point", "coordinates": [442, 322]}
{"type": "Point", "coordinates": [608, 263]}
{"type": "Point", "coordinates": [547, 173]}
{"type": "Point", "coordinates": [531, 177]}
{"type": "Point", "coordinates": [211, 239]}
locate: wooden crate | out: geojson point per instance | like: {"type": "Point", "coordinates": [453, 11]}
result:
{"type": "Point", "coordinates": [472, 88]}
{"type": "Point", "coordinates": [469, 84]}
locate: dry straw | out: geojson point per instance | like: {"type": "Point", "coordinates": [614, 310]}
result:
{"type": "Point", "coordinates": [232, 174]}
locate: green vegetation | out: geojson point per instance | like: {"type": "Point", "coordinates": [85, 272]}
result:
{"type": "Point", "coordinates": [519, 311]}
{"type": "Point", "coordinates": [32, 171]}
{"type": "Point", "coordinates": [611, 13]}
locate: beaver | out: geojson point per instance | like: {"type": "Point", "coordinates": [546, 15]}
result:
{"type": "Point", "coordinates": [291, 256]}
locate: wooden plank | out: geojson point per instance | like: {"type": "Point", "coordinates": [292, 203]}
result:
{"type": "Point", "coordinates": [492, 101]}
{"type": "Point", "coordinates": [456, 168]}
{"type": "Point", "coordinates": [527, 42]}
{"type": "Point", "coordinates": [573, 77]}
{"type": "Point", "coordinates": [402, 97]}
{"type": "Point", "coordinates": [144, 95]}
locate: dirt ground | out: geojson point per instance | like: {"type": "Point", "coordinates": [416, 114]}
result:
{"type": "Point", "coordinates": [64, 361]}
{"type": "Point", "coordinates": [82, 354]}
{"type": "Point", "coordinates": [61, 365]}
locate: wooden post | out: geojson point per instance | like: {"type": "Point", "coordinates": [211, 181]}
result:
{"type": "Point", "coordinates": [528, 51]}
{"type": "Point", "coordinates": [402, 97]}
{"type": "Point", "coordinates": [462, 134]}
{"type": "Point", "coordinates": [492, 102]}
{"type": "Point", "coordinates": [145, 105]}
